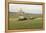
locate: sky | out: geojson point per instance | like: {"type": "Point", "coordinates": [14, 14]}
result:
{"type": "Point", "coordinates": [35, 9]}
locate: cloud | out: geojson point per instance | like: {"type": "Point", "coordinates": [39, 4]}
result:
{"type": "Point", "coordinates": [36, 9]}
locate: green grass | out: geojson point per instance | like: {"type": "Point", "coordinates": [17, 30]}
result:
{"type": "Point", "coordinates": [14, 23]}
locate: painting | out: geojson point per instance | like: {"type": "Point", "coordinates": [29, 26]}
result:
{"type": "Point", "coordinates": [25, 16]}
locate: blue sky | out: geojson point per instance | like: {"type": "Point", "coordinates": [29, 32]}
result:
{"type": "Point", "coordinates": [35, 9]}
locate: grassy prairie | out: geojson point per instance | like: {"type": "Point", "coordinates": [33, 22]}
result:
{"type": "Point", "coordinates": [14, 23]}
